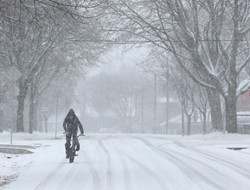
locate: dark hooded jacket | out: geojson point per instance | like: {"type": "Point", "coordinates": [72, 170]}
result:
{"type": "Point", "coordinates": [71, 125]}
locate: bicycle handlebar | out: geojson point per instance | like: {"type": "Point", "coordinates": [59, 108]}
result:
{"type": "Point", "coordinates": [81, 135]}
{"type": "Point", "coordinates": [77, 135]}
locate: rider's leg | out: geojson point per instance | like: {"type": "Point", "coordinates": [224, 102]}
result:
{"type": "Point", "coordinates": [78, 146]}
{"type": "Point", "coordinates": [75, 140]}
{"type": "Point", "coordinates": [67, 144]}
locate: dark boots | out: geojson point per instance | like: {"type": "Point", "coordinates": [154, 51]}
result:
{"type": "Point", "coordinates": [78, 147]}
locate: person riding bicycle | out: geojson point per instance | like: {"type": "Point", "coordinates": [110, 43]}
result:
{"type": "Point", "coordinates": [70, 126]}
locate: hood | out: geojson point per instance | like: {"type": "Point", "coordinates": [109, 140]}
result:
{"type": "Point", "coordinates": [71, 112]}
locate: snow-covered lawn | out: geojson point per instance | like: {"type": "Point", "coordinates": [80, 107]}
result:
{"type": "Point", "coordinates": [14, 165]}
{"type": "Point", "coordinates": [129, 162]}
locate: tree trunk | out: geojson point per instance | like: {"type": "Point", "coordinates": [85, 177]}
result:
{"type": "Point", "coordinates": [32, 108]}
{"type": "Point", "coordinates": [1, 119]}
{"type": "Point", "coordinates": [182, 122]}
{"type": "Point", "coordinates": [215, 109]}
{"type": "Point", "coordinates": [46, 124]}
{"type": "Point", "coordinates": [204, 123]}
{"type": "Point", "coordinates": [31, 113]}
{"type": "Point", "coordinates": [230, 98]}
{"type": "Point", "coordinates": [39, 121]}
{"type": "Point", "coordinates": [23, 89]}
{"type": "Point", "coordinates": [188, 124]}
{"type": "Point", "coordinates": [230, 106]}
{"type": "Point", "coordinates": [231, 118]}
{"type": "Point", "coordinates": [35, 119]}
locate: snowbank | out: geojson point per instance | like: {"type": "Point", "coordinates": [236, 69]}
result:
{"type": "Point", "coordinates": [12, 165]}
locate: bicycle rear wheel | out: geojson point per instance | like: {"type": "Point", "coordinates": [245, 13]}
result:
{"type": "Point", "coordinates": [72, 154]}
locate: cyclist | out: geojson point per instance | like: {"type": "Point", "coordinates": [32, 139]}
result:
{"type": "Point", "coordinates": [70, 126]}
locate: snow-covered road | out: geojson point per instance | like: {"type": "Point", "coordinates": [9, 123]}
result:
{"type": "Point", "coordinates": [140, 162]}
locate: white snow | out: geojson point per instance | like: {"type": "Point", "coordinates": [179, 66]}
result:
{"type": "Point", "coordinates": [131, 162]}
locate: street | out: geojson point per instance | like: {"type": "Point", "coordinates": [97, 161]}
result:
{"type": "Point", "coordinates": [140, 162]}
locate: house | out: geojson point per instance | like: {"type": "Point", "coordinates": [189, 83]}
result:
{"type": "Point", "coordinates": [243, 113]}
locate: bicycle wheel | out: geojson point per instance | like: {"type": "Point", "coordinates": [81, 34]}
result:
{"type": "Point", "coordinates": [71, 159]}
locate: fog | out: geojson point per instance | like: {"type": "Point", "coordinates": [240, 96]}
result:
{"type": "Point", "coordinates": [125, 67]}
{"type": "Point", "coordinates": [118, 96]}
{"type": "Point", "coordinates": [134, 94]}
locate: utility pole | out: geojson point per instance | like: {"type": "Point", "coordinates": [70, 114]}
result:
{"type": "Point", "coordinates": [154, 123]}
{"type": "Point", "coordinates": [142, 110]}
{"type": "Point", "coordinates": [56, 115]}
{"type": "Point", "coordinates": [167, 96]}
{"type": "Point", "coordinates": [11, 134]}
{"type": "Point", "coordinates": [182, 110]}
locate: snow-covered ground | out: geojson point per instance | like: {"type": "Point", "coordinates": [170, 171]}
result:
{"type": "Point", "coordinates": [130, 162]}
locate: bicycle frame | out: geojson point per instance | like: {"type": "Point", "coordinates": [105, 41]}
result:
{"type": "Point", "coordinates": [72, 150]}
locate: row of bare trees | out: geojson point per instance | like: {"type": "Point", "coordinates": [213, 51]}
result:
{"type": "Point", "coordinates": [179, 86]}
{"type": "Point", "coordinates": [43, 40]}
{"type": "Point", "coordinates": [208, 39]}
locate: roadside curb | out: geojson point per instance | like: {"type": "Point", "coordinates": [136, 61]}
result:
{"type": "Point", "coordinates": [15, 149]}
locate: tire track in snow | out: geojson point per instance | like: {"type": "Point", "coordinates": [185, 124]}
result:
{"type": "Point", "coordinates": [45, 182]}
{"type": "Point", "coordinates": [226, 163]}
{"type": "Point", "coordinates": [124, 163]}
{"type": "Point", "coordinates": [149, 171]}
{"type": "Point", "coordinates": [214, 169]}
{"type": "Point", "coordinates": [127, 177]}
{"type": "Point", "coordinates": [72, 173]}
{"type": "Point", "coordinates": [68, 178]}
{"type": "Point", "coordinates": [110, 183]}
{"type": "Point", "coordinates": [193, 174]}
{"type": "Point", "coordinates": [93, 171]}
{"type": "Point", "coordinates": [216, 159]}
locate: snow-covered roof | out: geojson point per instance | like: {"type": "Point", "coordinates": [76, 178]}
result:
{"type": "Point", "coordinates": [243, 113]}
{"type": "Point", "coordinates": [164, 100]}
{"type": "Point", "coordinates": [176, 120]}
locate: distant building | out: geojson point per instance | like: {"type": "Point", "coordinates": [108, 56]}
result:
{"type": "Point", "coordinates": [243, 113]}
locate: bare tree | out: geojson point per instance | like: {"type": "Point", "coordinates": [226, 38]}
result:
{"type": "Point", "coordinates": [26, 45]}
{"type": "Point", "coordinates": [211, 34]}
{"type": "Point", "coordinates": [201, 103]}
{"type": "Point", "coordinates": [185, 90]}
{"type": "Point", "coordinates": [35, 31]}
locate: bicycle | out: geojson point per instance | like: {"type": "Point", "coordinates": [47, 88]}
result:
{"type": "Point", "coordinates": [72, 150]}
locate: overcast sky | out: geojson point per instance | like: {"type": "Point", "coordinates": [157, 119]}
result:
{"type": "Point", "coordinates": [118, 56]}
